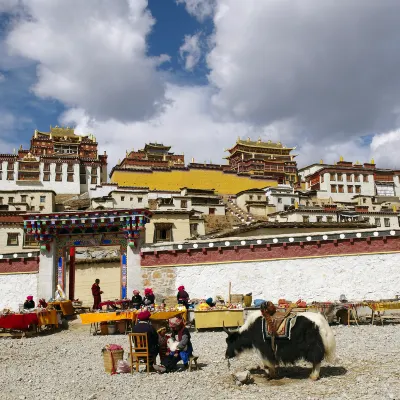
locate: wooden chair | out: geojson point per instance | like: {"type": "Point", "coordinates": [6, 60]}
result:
{"type": "Point", "coordinates": [139, 348]}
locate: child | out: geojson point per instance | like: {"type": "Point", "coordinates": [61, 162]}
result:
{"type": "Point", "coordinates": [162, 342]}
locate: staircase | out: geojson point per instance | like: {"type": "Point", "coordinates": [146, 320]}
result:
{"type": "Point", "coordinates": [231, 208]}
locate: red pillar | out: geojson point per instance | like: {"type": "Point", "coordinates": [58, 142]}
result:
{"type": "Point", "coordinates": [71, 273]}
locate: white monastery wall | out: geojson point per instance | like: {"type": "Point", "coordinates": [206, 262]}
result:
{"type": "Point", "coordinates": [371, 277]}
{"type": "Point", "coordinates": [14, 288]}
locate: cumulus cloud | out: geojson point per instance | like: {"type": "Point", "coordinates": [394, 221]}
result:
{"type": "Point", "coordinates": [329, 67]}
{"type": "Point", "coordinates": [201, 9]}
{"type": "Point", "coordinates": [384, 148]}
{"type": "Point", "coordinates": [92, 54]}
{"type": "Point", "coordinates": [190, 51]}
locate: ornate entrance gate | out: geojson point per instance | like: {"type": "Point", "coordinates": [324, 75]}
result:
{"type": "Point", "coordinates": [59, 233]}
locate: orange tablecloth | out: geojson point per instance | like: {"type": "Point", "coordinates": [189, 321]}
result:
{"type": "Point", "coordinates": [48, 318]}
{"type": "Point", "coordinates": [66, 306]}
{"type": "Point", "coordinates": [92, 318]}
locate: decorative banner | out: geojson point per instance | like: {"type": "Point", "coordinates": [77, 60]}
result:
{"type": "Point", "coordinates": [123, 276]}
{"type": "Point", "coordinates": [61, 272]}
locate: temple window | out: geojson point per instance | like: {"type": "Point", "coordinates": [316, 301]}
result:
{"type": "Point", "coordinates": [183, 203]}
{"type": "Point", "coordinates": [365, 178]}
{"type": "Point", "coordinates": [341, 189]}
{"type": "Point", "coordinates": [70, 177]}
{"type": "Point", "coordinates": [58, 168]}
{"type": "Point", "coordinates": [46, 176]}
{"type": "Point", "coordinates": [163, 233]}
{"type": "Point", "coordinates": [194, 229]}
{"type": "Point", "coordinates": [12, 239]}
{"type": "Point", "coordinates": [10, 200]}
{"type": "Point", "coordinates": [329, 219]}
{"type": "Point", "coordinates": [46, 167]}
{"type": "Point", "coordinates": [58, 177]}
{"type": "Point", "coordinates": [357, 178]}
{"type": "Point", "coordinates": [339, 177]}
{"type": "Point", "coordinates": [70, 168]}
{"type": "Point", "coordinates": [306, 218]}
{"type": "Point", "coordinates": [42, 199]}
{"type": "Point", "coordinates": [279, 199]}
{"type": "Point", "coordinates": [333, 189]}
{"type": "Point", "coordinates": [333, 177]}
{"type": "Point", "coordinates": [377, 221]}
{"type": "Point", "coordinates": [364, 201]}
{"type": "Point", "coordinates": [93, 180]}
{"type": "Point", "coordinates": [1, 201]}
{"type": "Point", "coordinates": [358, 189]}
{"type": "Point", "coordinates": [10, 176]}
{"type": "Point", "coordinates": [122, 198]}
{"type": "Point", "coordinates": [387, 222]}
{"type": "Point", "coordinates": [23, 198]}
{"type": "Point", "coordinates": [41, 208]}
{"type": "Point", "coordinates": [140, 199]}
{"type": "Point", "coordinates": [319, 219]}
{"type": "Point", "coordinates": [350, 189]}
{"type": "Point", "coordinates": [349, 178]}
{"type": "Point", "coordinates": [211, 211]}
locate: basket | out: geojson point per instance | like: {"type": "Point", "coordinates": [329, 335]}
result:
{"type": "Point", "coordinates": [110, 357]}
{"type": "Point", "coordinates": [104, 328]}
{"type": "Point", "coordinates": [236, 298]}
{"type": "Point", "coordinates": [247, 301]}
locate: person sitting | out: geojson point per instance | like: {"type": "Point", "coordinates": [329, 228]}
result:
{"type": "Point", "coordinates": [136, 300]}
{"type": "Point", "coordinates": [183, 296]}
{"type": "Point", "coordinates": [149, 297]}
{"type": "Point", "coordinates": [29, 303]}
{"type": "Point", "coordinates": [144, 326]}
{"type": "Point", "coordinates": [180, 333]}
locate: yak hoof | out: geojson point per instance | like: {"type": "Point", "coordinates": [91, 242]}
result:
{"type": "Point", "coordinates": [314, 377]}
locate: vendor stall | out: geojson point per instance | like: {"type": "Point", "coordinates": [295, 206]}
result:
{"type": "Point", "coordinates": [20, 322]}
{"type": "Point", "coordinates": [65, 306]}
{"type": "Point", "coordinates": [380, 307]}
{"type": "Point", "coordinates": [218, 318]}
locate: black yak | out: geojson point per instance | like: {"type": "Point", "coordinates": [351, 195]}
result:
{"type": "Point", "coordinates": [311, 339]}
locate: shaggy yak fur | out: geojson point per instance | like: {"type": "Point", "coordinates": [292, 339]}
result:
{"type": "Point", "coordinates": [311, 339]}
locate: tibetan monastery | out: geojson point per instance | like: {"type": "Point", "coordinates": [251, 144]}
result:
{"type": "Point", "coordinates": [59, 160]}
{"type": "Point", "coordinates": [251, 164]}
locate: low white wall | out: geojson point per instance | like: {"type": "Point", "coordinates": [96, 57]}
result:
{"type": "Point", "coordinates": [14, 288]}
{"type": "Point", "coordinates": [370, 277]}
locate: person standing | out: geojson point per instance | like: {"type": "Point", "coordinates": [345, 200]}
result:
{"type": "Point", "coordinates": [96, 293]}
{"type": "Point", "coordinates": [183, 296]}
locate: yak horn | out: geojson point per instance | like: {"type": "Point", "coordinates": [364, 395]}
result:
{"type": "Point", "coordinates": [225, 329]}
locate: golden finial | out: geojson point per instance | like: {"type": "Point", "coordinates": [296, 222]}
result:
{"type": "Point", "coordinates": [357, 162]}
{"type": "Point", "coordinates": [51, 135]}
{"type": "Point", "coordinates": [372, 161]}
{"type": "Point", "coordinates": [321, 161]}
{"type": "Point", "coordinates": [35, 134]}
{"type": "Point", "coordinates": [20, 147]}
{"type": "Point", "coordinates": [248, 139]}
{"type": "Point", "coordinates": [192, 159]}
{"type": "Point", "coordinates": [394, 208]}
{"type": "Point", "coordinates": [259, 139]}
{"type": "Point", "coordinates": [296, 205]}
{"type": "Point", "coordinates": [341, 158]}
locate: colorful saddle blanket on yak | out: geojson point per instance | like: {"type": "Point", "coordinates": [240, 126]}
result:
{"type": "Point", "coordinates": [282, 327]}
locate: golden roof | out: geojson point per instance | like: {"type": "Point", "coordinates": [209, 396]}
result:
{"type": "Point", "coordinates": [260, 144]}
{"type": "Point", "coordinates": [64, 132]}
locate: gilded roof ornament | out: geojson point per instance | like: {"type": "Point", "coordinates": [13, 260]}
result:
{"type": "Point", "coordinates": [321, 161]}
{"type": "Point", "coordinates": [372, 161]}
{"type": "Point", "coordinates": [341, 158]}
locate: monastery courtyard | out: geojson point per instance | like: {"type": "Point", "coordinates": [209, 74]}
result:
{"type": "Point", "coordinates": [68, 365]}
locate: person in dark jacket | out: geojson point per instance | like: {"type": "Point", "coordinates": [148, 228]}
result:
{"type": "Point", "coordinates": [29, 303]}
{"type": "Point", "coordinates": [144, 326]}
{"type": "Point", "coordinates": [136, 300]}
{"type": "Point", "coordinates": [183, 296]}
{"type": "Point", "coordinates": [149, 297]}
{"type": "Point", "coordinates": [96, 293]}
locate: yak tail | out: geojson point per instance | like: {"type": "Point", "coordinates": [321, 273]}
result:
{"type": "Point", "coordinates": [327, 336]}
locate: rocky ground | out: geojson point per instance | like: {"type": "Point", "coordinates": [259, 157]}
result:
{"type": "Point", "coordinates": [68, 365]}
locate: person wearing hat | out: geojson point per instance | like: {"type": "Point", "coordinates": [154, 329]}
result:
{"type": "Point", "coordinates": [183, 296]}
{"type": "Point", "coordinates": [136, 300]}
{"type": "Point", "coordinates": [181, 334]}
{"type": "Point", "coordinates": [144, 326]}
{"type": "Point", "coordinates": [149, 298]}
{"type": "Point", "coordinates": [29, 303]}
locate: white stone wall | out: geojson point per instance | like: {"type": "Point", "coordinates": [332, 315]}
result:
{"type": "Point", "coordinates": [321, 279]}
{"type": "Point", "coordinates": [14, 288]}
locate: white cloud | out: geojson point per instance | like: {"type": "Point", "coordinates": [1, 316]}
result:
{"type": "Point", "coordinates": [384, 148]}
{"type": "Point", "coordinates": [201, 9]}
{"type": "Point", "coordinates": [190, 51]}
{"type": "Point", "coordinates": [92, 54]}
{"type": "Point", "coordinates": [2, 77]}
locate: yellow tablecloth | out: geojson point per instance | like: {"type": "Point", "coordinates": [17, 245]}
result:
{"type": "Point", "coordinates": [48, 318]}
{"type": "Point", "coordinates": [92, 318]}
{"type": "Point", "coordinates": [382, 306]}
{"type": "Point", "coordinates": [66, 306]}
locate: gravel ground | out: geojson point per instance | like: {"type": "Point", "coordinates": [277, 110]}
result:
{"type": "Point", "coordinates": [68, 365]}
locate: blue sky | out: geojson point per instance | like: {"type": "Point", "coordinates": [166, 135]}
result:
{"type": "Point", "coordinates": [196, 74]}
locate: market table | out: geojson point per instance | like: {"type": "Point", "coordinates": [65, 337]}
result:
{"type": "Point", "coordinates": [48, 317]}
{"type": "Point", "coordinates": [66, 306]}
{"type": "Point", "coordinates": [96, 318]}
{"type": "Point", "coordinates": [20, 322]}
{"type": "Point", "coordinates": [218, 318]}
{"type": "Point", "coordinates": [378, 307]}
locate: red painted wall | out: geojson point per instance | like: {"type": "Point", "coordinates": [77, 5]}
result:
{"type": "Point", "coordinates": [18, 265]}
{"type": "Point", "coordinates": [273, 251]}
